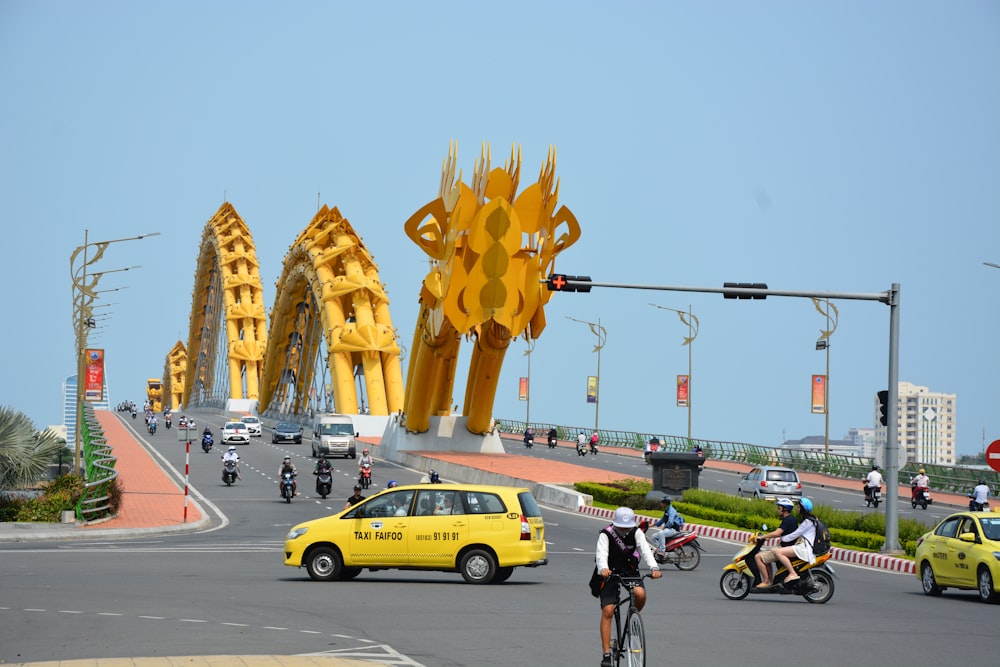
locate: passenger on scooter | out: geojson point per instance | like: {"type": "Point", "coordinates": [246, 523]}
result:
{"type": "Point", "coordinates": [616, 552]}
{"type": "Point", "coordinates": [802, 548]}
{"type": "Point", "coordinates": [670, 522]}
{"type": "Point", "coordinates": [873, 480]}
{"type": "Point", "coordinates": [920, 483]}
{"type": "Point", "coordinates": [323, 465]}
{"type": "Point", "coordinates": [288, 466]}
{"type": "Point", "coordinates": [787, 526]}
{"type": "Point", "coordinates": [231, 455]}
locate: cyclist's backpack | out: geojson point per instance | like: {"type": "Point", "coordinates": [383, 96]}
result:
{"type": "Point", "coordinates": [821, 543]}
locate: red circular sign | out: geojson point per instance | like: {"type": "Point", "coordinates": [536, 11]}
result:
{"type": "Point", "coordinates": [993, 455]}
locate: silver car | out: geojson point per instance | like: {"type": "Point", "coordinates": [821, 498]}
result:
{"type": "Point", "coordinates": [770, 483]}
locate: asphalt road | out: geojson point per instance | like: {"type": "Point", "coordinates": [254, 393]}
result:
{"type": "Point", "coordinates": [226, 591]}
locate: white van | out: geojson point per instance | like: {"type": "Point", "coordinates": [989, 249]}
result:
{"type": "Point", "coordinates": [334, 435]}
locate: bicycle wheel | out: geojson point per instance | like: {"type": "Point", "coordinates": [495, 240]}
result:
{"type": "Point", "coordinates": [635, 641]}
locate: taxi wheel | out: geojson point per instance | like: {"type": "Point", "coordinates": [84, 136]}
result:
{"type": "Point", "coordinates": [987, 593]}
{"type": "Point", "coordinates": [324, 564]}
{"type": "Point", "coordinates": [478, 566]}
{"type": "Point", "coordinates": [927, 580]}
{"type": "Point", "coordinates": [348, 573]}
{"type": "Point", "coordinates": [503, 574]}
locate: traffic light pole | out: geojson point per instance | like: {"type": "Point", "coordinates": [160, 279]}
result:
{"type": "Point", "coordinates": [761, 291]}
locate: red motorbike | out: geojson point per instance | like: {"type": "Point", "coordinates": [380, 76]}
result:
{"type": "Point", "coordinates": [365, 478]}
{"type": "Point", "coordinates": [682, 550]}
{"type": "Point", "coordinates": [920, 495]}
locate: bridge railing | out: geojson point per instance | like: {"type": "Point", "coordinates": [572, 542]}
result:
{"type": "Point", "coordinates": [99, 468]}
{"type": "Point", "coordinates": [952, 479]}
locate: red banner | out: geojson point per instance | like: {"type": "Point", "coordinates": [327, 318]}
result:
{"type": "Point", "coordinates": [522, 390]}
{"type": "Point", "coordinates": [819, 394]}
{"type": "Point", "coordinates": [682, 390]}
{"type": "Point", "coordinates": [93, 383]}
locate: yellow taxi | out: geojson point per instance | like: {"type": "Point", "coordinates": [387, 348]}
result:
{"type": "Point", "coordinates": [483, 532]}
{"type": "Point", "coordinates": [963, 551]}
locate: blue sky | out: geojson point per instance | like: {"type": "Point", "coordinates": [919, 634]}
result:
{"type": "Point", "coordinates": [813, 146]}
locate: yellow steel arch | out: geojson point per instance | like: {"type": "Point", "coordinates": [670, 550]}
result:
{"type": "Point", "coordinates": [173, 376]}
{"type": "Point", "coordinates": [489, 248]}
{"type": "Point", "coordinates": [227, 262]}
{"type": "Point", "coordinates": [329, 277]}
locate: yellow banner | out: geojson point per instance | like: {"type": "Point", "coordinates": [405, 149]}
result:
{"type": "Point", "coordinates": [592, 389]}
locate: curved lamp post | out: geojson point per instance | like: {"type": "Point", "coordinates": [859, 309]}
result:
{"type": "Point", "coordinates": [83, 319]}
{"type": "Point", "coordinates": [527, 389]}
{"type": "Point", "coordinates": [829, 311]}
{"type": "Point", "coordinates": [602, 338]}
{"type": "Point", "coordinates": [688, 319]}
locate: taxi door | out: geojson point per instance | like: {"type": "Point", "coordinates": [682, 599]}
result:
{"type": "Point", "coordinates": [960, 556]}
{"type": "Point", "coordinates": [439, 528]}
{"type": "Point", "coordinates": [380, 531]}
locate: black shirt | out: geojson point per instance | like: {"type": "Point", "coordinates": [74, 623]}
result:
{"type": "Point", "coordinates": [788, 526]}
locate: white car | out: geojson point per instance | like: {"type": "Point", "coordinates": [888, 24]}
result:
{"type": "Point", "coordinates": [235, 433]}
{"type": "Point", "coordinates": [253, 425]}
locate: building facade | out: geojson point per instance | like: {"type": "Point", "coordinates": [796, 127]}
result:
{"type": "Point", "coordinates": [926, 426]}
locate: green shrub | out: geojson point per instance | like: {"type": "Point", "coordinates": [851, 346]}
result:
{"type": "Point", "coordinates": [48, 507]}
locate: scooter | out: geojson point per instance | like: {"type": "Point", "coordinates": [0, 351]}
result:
{"type": "Point", "coordinates": [741, 576]}
{"type": "Point", "coordinates": [134, 413]}
{"type": "Point", "coordinates": [553, 442]}
{"type": "Point", "coordinates": [365, 478]}
{"type": "Point", "coordinates": [151, 427]}
{"type": "Point", "coordinates": [324, 483]}
{"type": "Point", "coordinates": [229, 472]}
{"type": "Point", "coordinates": [581, 449]}
{"type": "Point", "coordinates": [920, 495]}
{"type": "Point", "coordinates": [529, 441]}
{"type": "Point", "coordinates": [682, 550]}
{"type": "Point", "coordinates": [873, 495]}
{"type": "Point", "coordinates": [978, 507]}
{"type": "Point", "coordinates": [287, 486]}
{"type": "Point", "coordinates": [167, 421]}
{"type": "Point", "coordinates": [206, 442]}
{"type": "Point", "coordinates": [593, 448]}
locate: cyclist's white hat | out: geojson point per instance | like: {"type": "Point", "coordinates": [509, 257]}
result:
{"type": "Point", "coordinates": [624, 518]}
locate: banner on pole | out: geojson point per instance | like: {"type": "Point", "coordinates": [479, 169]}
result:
{"type": "Point", "coordinates": [682, 391]}
{"type": "Point", "coordinates": [522, 390]}
{"type": "Point", "coordinates": [819, 394]}
{"type": "Point", "coordinates": [93, 384]}
{"type": "Point", "coordinates": [592, 389]}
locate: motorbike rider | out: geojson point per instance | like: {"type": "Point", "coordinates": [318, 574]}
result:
{"type": "Point", "coordinates": [365, 458]}
{"type": "Point", "coordinates": [529, 434]}
{"type": "Point", "coordinates": [801, 549]}
{"type": "Point", "coordinates": [873, 481]}
{"type": "Point", "coordinates": [392, 484]}
{"type": "Point", "coordinates": [581, 442]}
{"type": "Point", "coordinates": [670, 522]}
{"type": "Point", "coordinates": [617, 545]}
{"type": "Point", "coordinates": [231, 455]}
{"type": "Point", "coordinates": [553, 434]}
{"type": "Point", "coordinates": [356, 498]}
{"type": "Point", "coordinates": [593, 442]}
{"type": "Point", "coordinates": [206, 434]}
{"type": "Point", "coordinates": [920, 483]}
{"type": "Point", "coordinates": [979, 496]}
{"type": "Point", "coordinates": [788, 524]}
{"type": "Point", "coordinates": [288, 466]}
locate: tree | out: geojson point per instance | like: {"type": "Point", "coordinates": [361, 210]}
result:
{"type": "Point", "coordinates": [25, 452]}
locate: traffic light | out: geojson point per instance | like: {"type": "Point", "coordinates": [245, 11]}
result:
{"type": "Point", "coordinates": [883, 408]}
{"type": "Point", "coordinates": [560, 282]}
{"type": "Point", "coordinates": [730, 295]}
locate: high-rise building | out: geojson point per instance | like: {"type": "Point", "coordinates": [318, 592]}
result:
{"type": "Point", "coordinates": [926, 426]}
{"type": "Point", "coordinates": [69, 407]}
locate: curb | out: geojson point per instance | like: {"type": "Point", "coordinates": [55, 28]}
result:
{"type": "Point", "coordinates": [889, 563]}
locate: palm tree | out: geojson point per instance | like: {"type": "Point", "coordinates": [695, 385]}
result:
{"type": "Point", "coordinates": [25, 452]}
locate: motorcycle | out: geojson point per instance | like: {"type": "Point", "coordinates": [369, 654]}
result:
{"type": "Point", "coordinates": [206, 442]}
{"type": "Point", "coordinates": [873, 495]}
{"type": "Point", "coordinates": [682, 550]}
{"type": "Point", "coordinates": [740, 577]}
{"type": "Point", "coordinates": [529, 441]}
{"type": "Point", "coordinates": [151, 427]}
{"type": "Point", "coordinates": [593, 448]}
{"type": "Point", "coordinates": [167, 421]}
{"type": "Point", "coordinates": [324, 482]}
{"type": "Point", "coordinates": [365, 477]}
{"type": "Point", "coordinates": [581, 449]}
{"type": "Point", "coordinates": [134, 413]}
{"type": "Point", "coordinates": [229, 472]}
{"type": "Point", "coordinates": [287, 486]}
{"type": "Point", "coordinates": [920, 495]}
{"type": "Point", "coordinates": [553, 442]}
{"type": "Point", "coordinates": [978, 507]}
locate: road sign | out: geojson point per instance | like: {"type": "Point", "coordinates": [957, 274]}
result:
{"type": "Point", "coordinates": [993, 455]}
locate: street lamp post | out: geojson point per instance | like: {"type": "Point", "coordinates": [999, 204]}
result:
{"type": "Point", "coordinates": [825, 308]}
{"type": "Point", "coordinates": [527, 389]}
{"type": "Point", "coordinates": [602, 338]}
{"type": "Point", "coordinates": [83, 319]}
{"type": "Point", "coordinates": [692, 324]}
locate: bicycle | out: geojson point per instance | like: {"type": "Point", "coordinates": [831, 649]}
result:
{"type": "Point", "coordinates": [628, 643]}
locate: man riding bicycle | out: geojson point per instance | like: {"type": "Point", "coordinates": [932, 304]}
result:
{"type": "Point", "coordinates": [619, 547]}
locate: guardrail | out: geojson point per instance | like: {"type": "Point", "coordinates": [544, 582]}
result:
{"type": "Point", "coordinates": [99, 468]}
{"type": "Point", "coordinates": [952, 479]}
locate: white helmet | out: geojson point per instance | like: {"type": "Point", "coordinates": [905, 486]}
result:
{"type": "Point", "coordinates": [232, 448]}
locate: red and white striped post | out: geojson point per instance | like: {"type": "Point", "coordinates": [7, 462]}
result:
{"type": "Point", "coordinates": [187, 469]}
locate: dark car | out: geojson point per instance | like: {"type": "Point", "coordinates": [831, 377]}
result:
{"type": "Point", "coordinates": [287, 432]}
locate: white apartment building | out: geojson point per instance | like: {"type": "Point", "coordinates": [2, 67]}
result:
{"type": "Point", "coordinates": [926, 423]}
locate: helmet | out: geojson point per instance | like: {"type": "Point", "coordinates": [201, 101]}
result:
{"type": "Point", "coordinates": [665, 500]}
{"type": "Point", "coordinates": [806, 504]}
{"type": "Point", "coordinates": [874, 466]}
{"type": "Point", "coordinates": [921, 471]}
{"type": "Point", "coordinates": [391, 484]}
{"type": "Point", "coordinates": [288, 458]}
{"type": "Point", "coordinates": [365, 451]}
{"type": "Point", "coordinates": [232, 448]}
{"type": "Point", "coordinates": [624, 518]}
{"type": "Point", "coordinates": [357, 487]}
{"type": "Point", "coordinates": [786, 503]}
